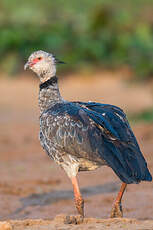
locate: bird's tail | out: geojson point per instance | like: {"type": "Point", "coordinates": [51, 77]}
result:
{"type": "Point", "coordinates": [129, 164]}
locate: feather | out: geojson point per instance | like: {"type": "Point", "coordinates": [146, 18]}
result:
{"type": "Point", "coordinates": [84, 132]}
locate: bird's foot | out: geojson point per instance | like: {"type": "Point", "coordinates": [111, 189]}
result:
{"type": "Point", "coordinates": [73, 219]}
{"type": "Point", "coordinates": [69, 219]}
{"type": "Point", "coordinates": [117, 211]}
{"type": "Point", "coordinates": [79, 203]}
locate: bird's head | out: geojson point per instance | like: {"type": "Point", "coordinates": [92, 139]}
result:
{"type": "Point", "coordinates": [43, 64]}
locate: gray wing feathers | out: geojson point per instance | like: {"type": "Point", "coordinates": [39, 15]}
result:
{"type": "Point", "coordinates": [71, 135]}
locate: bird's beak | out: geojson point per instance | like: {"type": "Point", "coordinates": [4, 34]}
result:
{"type": "Point", "coordinates": [27, 65]}
{"type": "Point", "coordinates": [61, 62]}
{"type": "Point", "coordinates": [57, 61]}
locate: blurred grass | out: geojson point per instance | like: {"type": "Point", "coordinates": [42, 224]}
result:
{"type": "Point", "coordinates": [145, 116]}
{"type": "Point", "coordinates": [106, 33]}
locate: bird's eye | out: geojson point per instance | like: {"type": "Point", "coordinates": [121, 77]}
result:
{"type": "Point", "coordinates": [39, 58]}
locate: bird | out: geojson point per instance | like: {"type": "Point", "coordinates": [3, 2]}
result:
{"type": "Point", "coordinates": [83, 136]}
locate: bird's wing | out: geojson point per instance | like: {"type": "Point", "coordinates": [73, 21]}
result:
{"type": "Point", "coordinates": [113, 119]}
{"type": "Point", "coordinates": [96, 132]}
{"type": "Point", "coordinates": [125, 156]}
{"type": "Point", "coordinates": [68, 126]}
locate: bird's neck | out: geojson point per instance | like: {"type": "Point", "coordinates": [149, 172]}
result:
{"type": "Point", "coordinates": [49, 94]}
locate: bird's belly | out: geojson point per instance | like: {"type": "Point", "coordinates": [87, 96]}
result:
{"type": "Point", "coordinates": [72, 165]}
{"type": "Point", "coordinates": [87, 165]}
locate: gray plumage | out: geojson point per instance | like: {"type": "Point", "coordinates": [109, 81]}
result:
{"type": "Point", "coordinates": [84, 136]}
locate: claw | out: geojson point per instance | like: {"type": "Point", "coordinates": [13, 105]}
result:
{"type": "Point", "coordinates": [73, 220]}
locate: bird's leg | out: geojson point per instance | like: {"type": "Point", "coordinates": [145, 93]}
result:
{"type": "Point", "coordinates": [117, 207]}
{"type": "Point", "coordinates": [79, 202]}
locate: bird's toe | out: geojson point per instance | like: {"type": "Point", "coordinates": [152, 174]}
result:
{"type": "Point", "coordinates": [74, 219]}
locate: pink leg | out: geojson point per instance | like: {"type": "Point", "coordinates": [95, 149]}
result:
{"type": "Point", "coordinates": [117, 207]}
{"type": "Point", "coordinates": [79, 202]}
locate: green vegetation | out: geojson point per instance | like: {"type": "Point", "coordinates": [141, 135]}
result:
{"type": "Point", "coordinates": [145, 116]}
{"type": "Point", "coordinates": [107, 33]}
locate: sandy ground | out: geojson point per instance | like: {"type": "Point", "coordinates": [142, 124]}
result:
{"type": "Point", "coordinates": [33, 188]}
{"type": "Point", "coordinates": [89, 224]}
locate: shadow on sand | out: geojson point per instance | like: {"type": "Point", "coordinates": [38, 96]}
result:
{"type": "Point", "coordinates": [57, 195]}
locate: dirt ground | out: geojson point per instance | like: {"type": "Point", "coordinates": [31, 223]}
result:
{"type": "Point", "coordinates": [34, 190]}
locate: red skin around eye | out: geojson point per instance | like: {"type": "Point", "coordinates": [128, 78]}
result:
{"type": "Point", "coordinates": [34, 61]}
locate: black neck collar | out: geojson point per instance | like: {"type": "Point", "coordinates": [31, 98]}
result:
{"type": "Point", "coordinates": [51, 81]}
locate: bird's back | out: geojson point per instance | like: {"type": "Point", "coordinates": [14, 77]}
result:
{"type": "Point", "coordinates": [93, 133]}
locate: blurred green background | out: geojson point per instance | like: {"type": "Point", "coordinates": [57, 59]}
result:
{"type": "Point", "coordinates": [101, 33]}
